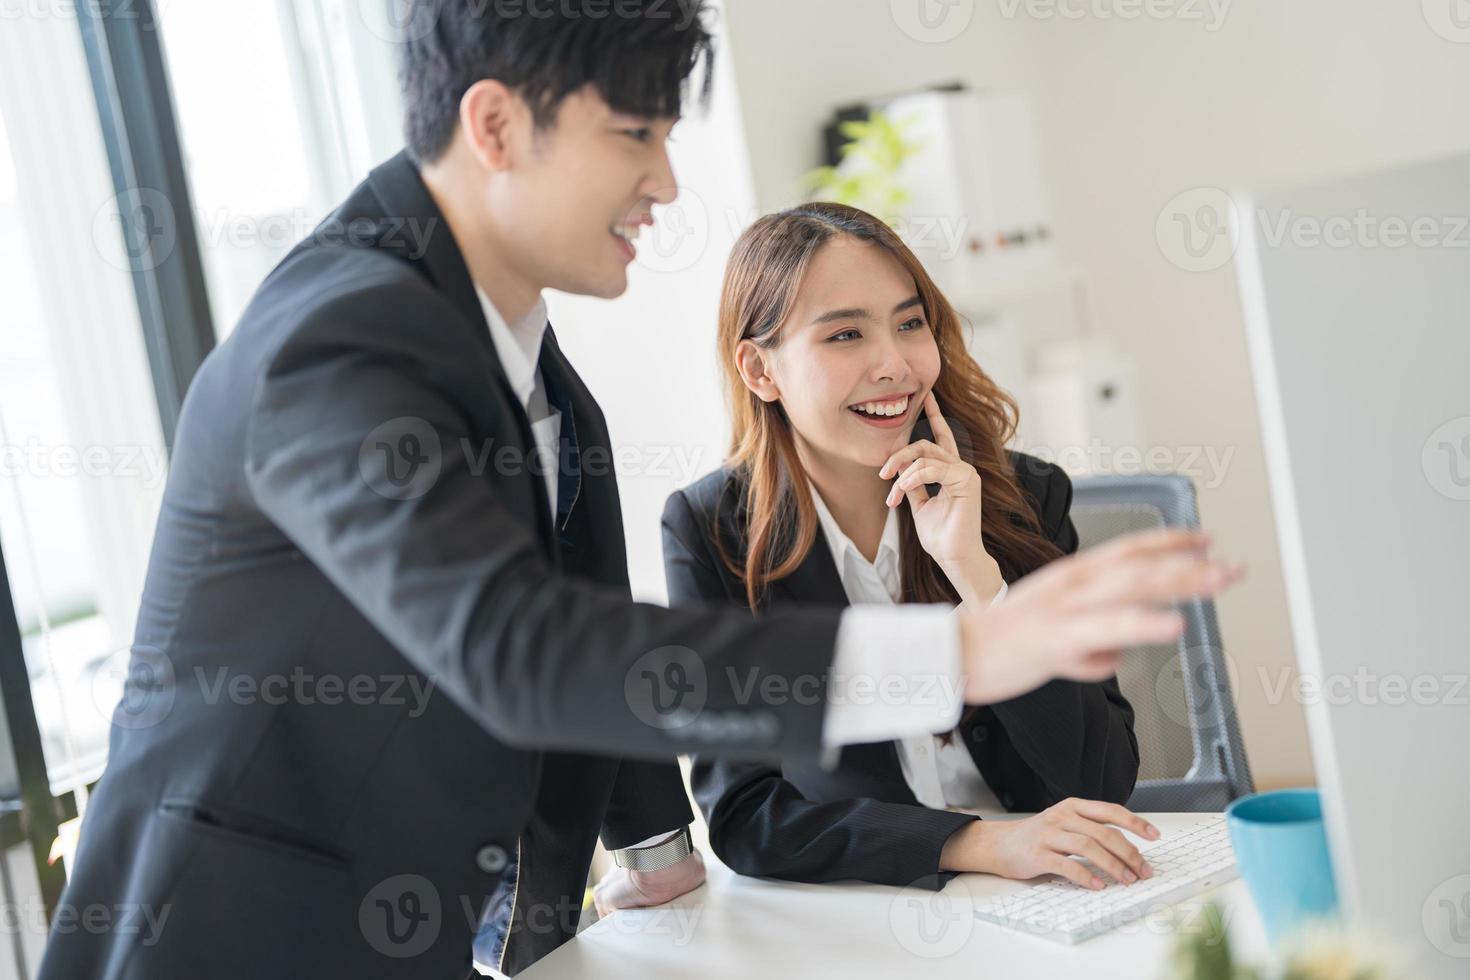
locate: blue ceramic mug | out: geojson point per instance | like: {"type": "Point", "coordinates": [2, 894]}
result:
{"type": "Point", "coordinates": [1281, 851]}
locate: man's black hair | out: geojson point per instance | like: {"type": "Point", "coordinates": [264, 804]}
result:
{"type": "Point", "coordinates": [638, 54]}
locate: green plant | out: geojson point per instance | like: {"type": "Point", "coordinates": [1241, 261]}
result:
{"type": "Point", "coordinates": [1203, 953]}
{"type": "Point", "coordinates": [1323, 951]}
{"type": "Point", "coordinates": [867, 175]}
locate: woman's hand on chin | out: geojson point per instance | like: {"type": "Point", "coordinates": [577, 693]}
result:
{"type": "Point", "coordinates": [948, 524]}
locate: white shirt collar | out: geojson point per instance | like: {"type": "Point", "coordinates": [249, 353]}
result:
{"type": "Point", "coordinates": [886, 563]}
{"type": "Point", "coordinates": [518, 344]}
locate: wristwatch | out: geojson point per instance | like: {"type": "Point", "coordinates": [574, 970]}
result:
{"type": "Point", "coordinates": [657, 857]}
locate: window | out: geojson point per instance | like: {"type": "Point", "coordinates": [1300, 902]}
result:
{"type": "Point", "coordinates": [81, 452]}
{"type": "Point", "coordinates": [282, 107]}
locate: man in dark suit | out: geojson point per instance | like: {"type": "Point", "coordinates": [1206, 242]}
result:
{"type": "Point", "coordinates": [358, 509]}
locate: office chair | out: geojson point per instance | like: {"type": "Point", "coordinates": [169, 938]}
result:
{"type": "Point", "coordinates": [1191, 755]}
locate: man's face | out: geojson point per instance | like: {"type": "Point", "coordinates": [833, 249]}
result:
{"type": "Point", "coordinates": [582, 190]}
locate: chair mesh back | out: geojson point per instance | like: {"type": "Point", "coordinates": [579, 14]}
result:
{"type": "Point", "coordinates": [1149, 674]}
{"type": "Point", "coordinates": [1190, 752]}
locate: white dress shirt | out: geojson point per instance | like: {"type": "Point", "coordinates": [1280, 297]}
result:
{"type": "Point", "coordinates": [870, 698]}
{"type": "Point", "coordinates": [518, 345]}
{"type": "Point", "coordinates": [940, 775]}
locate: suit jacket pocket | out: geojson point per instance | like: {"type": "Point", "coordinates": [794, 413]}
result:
{"type": "Point", "coordinates": [252, 830]}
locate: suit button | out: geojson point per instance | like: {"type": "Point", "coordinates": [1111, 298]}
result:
{"type": "Point", "coordinates": [979, 734]}
{"type": "Point", "coordinates": [492, 859]}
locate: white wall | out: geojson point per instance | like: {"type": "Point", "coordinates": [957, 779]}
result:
{"type": "Point", "coordinates": [1134, 111]}
{"type": "Point", "coordinates": [797, 61]}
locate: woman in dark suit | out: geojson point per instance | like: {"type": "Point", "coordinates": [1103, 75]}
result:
{"type": "Point", "coordinates": [868, 465]}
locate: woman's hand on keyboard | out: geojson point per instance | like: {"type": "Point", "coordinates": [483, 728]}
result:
{"type": "Point", "coordinates": [1042, 844]}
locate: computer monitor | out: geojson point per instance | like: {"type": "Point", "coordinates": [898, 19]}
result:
{"type": "Point", "coordinates": [1356, 293]}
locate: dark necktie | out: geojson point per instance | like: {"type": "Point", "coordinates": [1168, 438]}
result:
{"type": "Point", "coordinates": [568, 453]}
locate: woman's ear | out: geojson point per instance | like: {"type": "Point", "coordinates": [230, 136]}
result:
{"type": "Point", "coordinates": [754, 367]}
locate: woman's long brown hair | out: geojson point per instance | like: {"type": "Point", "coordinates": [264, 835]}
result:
{"type": "Point", "coordinates": [780, 522]}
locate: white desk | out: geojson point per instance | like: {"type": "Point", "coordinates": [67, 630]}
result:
{"type": "Point", "coordinates": [756, 929]}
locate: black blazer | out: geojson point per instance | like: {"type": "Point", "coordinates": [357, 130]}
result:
{"type": "Point", "coordinates": [351, 496]}
{"type": "Point", "coordinates": [802, 822]}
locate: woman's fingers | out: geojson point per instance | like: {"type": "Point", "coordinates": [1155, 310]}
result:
{"type": "Point", "coordinates": [903, 457]}
{"type": "Point", "coordinates": [942, 432]}
{"type": "Point", "coordinates": [1113, 841]}
{"type": "Point", "coordinates": [1087, 846]}
{"type": "Point", "coordinates": [917, 498]}
{"type": "Point", "coordinates": [913, 451]}
{"type": "Point", "coordinates": [1074, 871]}
{"type": "Point", "coordinates": [925, 471]}
{"type": "Point", "coordinates": [915, 491]}
{"type": "Point", "coordinates": [1120, 816]}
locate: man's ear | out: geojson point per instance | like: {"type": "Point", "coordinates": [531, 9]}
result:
{"type": "Point", "coordinates": [754, 367]}
{"type": "Point", "coordinates": [495, 122]}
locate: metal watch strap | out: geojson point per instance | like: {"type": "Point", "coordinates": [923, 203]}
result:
{"type": "Point", "coordinates": [657, 857]}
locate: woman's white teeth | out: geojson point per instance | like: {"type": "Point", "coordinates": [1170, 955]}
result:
{"type": "Point", "coordinates": [884, 408]}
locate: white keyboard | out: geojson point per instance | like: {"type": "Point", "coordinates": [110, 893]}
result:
{"type": "Point", "coordinates": [1184, 863]}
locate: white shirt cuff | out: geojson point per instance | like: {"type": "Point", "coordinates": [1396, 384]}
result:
{"type": "Point", "coordinates": [895, 674]}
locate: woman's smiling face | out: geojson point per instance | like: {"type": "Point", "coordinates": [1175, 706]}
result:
{"type": "Point", "coordinates": [855, 356]}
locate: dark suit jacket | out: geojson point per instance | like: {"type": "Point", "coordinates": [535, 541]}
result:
{"type": "Point", "coordinates": [860, 820]}
{"type": "Point", "coordinates": [350, 503]}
